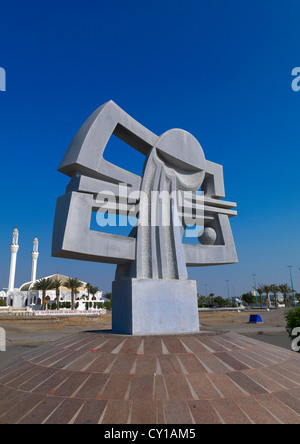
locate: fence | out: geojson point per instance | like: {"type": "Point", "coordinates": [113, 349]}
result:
{"type": "Point", "coordinates": [65, 312]}
{"type": "Point", "coordinates": [27, 311]}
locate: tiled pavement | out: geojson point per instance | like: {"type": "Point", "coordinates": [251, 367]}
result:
{"type": "Point", "coordinates": [95, 377]}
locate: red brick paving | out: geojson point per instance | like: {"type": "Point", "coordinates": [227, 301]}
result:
{"type": "Point", "coordinates": [204, 378]}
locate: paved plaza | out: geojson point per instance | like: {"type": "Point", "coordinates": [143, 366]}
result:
{"type": "Point", "coordinates": [96, 377]}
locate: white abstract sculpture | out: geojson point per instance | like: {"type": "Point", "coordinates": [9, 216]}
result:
{"type": "Point", "coordinates": [151, 292]}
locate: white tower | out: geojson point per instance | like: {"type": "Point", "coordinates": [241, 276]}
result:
{"type": "Point", "coordinates": [34, 255]}
{"type": "Point", "coordinates": [14, 248]}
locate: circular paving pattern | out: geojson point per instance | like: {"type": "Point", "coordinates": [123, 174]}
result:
{"type": "Point", "coordinates": [101, 378]}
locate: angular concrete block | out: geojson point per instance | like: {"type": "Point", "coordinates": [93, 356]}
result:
{"type": "Point", "coordinates": [149, 306]}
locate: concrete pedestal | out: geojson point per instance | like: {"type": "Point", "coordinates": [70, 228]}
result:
{"type": "Point", "coordinates": [148, 306]}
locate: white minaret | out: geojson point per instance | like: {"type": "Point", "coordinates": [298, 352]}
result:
{"type": "Point", "coordinates": [34, 255]}
{"type": "Point", "coordinates": [14, 248]}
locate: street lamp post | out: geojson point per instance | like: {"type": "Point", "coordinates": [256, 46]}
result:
{"type": "Point", "coordinates": [228, 292]}
{"type": "Point", "coordinates": [290, 267]}
{"type": "Point", "coordinates": [234, 304]}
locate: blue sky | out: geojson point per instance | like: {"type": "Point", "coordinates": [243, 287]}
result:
{"type": "Point", "coordinates": [220, 70]}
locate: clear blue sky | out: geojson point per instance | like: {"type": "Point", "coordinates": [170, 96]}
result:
{"type": "Point", "coordinates": [220, 70]}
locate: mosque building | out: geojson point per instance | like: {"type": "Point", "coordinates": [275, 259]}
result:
{"type": "Point", "coordinates": [26, 296]}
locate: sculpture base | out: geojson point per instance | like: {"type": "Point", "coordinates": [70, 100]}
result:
{"type": "Point", "coordinates": [148, 306]}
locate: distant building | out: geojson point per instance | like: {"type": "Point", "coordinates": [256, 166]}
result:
{"type": "Point", "coordinates": [26, 296]}
{"type": "Point", "coordinates": [34, 297]}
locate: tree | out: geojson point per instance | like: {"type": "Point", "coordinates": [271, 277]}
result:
{"type": "Point", "coordinates": [275, 290]}
{"type": "Point", "coordinates": [93, 291]}
{"type": "Point", "coordinates": [73, 284]}
{"type": "Point", "coordinates": [57, 283]}
{"type": "Point", "coordinates": [221, 302]}
{"type": "Point", "coordinates": [202, 300]}
{"type": "Point", "coordinates": [43, 285]}
{"type": "Point", "coordinates": [108, 305]}
{"type": "Point", "coordinates": [88, 289]}
{"type": "Point", "coordinates": [285, 289]}
{"type": "Point", "coordinates": [248, 298]}
{"type": "Point", "coordinates": [210, 300]}
{"type": "Point", "coordinates": [108, 296]}
{"type": "Point", "coordinates": [267, 289]}
{"type": "Point", "coordinates": [260, 291]}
